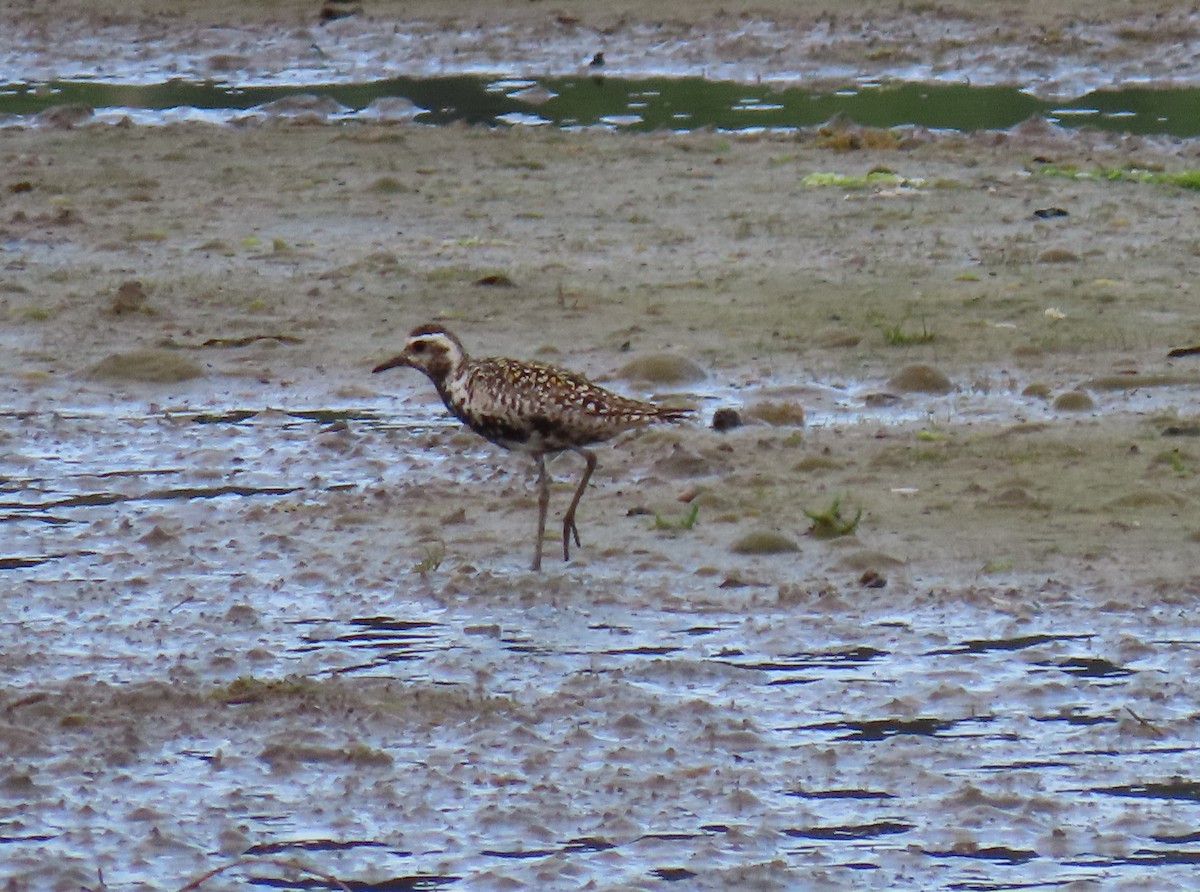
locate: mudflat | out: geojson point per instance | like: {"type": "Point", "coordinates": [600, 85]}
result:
{"type": "Point", "coordinates": [794, 270]}
{"type": "Point", "coordinates": [246, 576]}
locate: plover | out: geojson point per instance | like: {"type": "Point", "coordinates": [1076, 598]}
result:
{"type": "Point", "coordinates": [527, 406]}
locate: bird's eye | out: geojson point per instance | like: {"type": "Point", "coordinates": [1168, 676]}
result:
{"type": "Point", "coordinates": [419, 346]}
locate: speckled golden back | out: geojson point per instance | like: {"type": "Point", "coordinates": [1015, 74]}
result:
{"type": "Point", "coordinates": [535, 405]}
{"type": "Point", "coordinates": [524, 405]}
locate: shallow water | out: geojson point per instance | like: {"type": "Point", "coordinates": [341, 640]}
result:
{"type": "Point", "coordinates": [603, 723]}
{"type": "Point", "coordinates": [660, 103]}
{"type": "Point", "coordinates": [216, 640]}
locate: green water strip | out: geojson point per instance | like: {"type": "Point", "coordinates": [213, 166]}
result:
{"type": "Point", "coordinates": [655, 103]}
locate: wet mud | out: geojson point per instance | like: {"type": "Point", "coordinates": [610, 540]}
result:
{"type": "Point", "coordinates": [1054, 50]}
{"type": "Point", "coordinates": [262, 667]}
{"type": "Point", "coordinates": [269, 624]}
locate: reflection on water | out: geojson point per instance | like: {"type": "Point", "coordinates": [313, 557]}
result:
{"type": "Point", "coordinates": [658, 103]}
{"type": "Point", "coordinates": [855, 828]}
{"type": "Point", "coordinates": [646, 725]}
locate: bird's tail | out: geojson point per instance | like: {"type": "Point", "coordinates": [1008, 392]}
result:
{"type": "Point", "coordinates": [666, 413]}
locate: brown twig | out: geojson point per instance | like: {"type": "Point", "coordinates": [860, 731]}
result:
{"type": "Point", "coordinates": [1145, 723]}
{"type": "Point", "coordinates": [250, 339]}
{"type": "Point", "coordinates": [253, 859]}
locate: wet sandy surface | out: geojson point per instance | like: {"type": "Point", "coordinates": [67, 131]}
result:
{"type": "Point", "coordinates": [1053, 49]}
{"type": "Point", "coordinates": [210, 658]}
{"type": "Point", "coordinates": [262, 605]}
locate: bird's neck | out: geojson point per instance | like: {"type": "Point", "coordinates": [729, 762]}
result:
{"type": "Point", "coordinates": [451, 383]}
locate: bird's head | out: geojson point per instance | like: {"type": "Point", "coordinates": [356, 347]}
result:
{"type": "Point", "coordinates": [430, 349]}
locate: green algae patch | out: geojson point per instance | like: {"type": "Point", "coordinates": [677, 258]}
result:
{"type": "Point", "coordinates": [1058, 255]}
{"type": "Point", "coordinates": [837, 338]}
{"type": "Point", "coordinates": [1184, 179]}
{"type": "Point", "coordinates": [1132, 382]}
{"type": "Point", "coordinates": [813, 463]}
{"type": "Point", "coordinates": [777, 414]}
{"type": "Point", "coordinates": [860, 181]}
{"type": "Point", "coordinates": [1074, 401]}
{"type": "Point", "coordinates": [920, 378]}
{"type": "Point", "coordinates": [764, 542]}
{"type": "Point", "coordinates": [662, 368]}
{"type": "Point", "coordinates": [1149, 500]}
{"type": "Point", "coordinates": [282, 756]}
{"type": "Point", "coordinates": [248, 689]}
{"type": "Point", "coordinates": [1016, 497]}
{"type": "Point", "coordinates": [150, 366]}
{"type": "Point", "coordinates": [389, 186]}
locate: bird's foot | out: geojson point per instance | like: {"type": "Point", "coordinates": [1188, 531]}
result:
{"type": "Point", "coordinates": [569, 531]}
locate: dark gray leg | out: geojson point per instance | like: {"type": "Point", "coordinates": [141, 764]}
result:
{"type": "Point", "coordinates": [543, 504]}
{"type": "Point", "coordinates": [569, 527]}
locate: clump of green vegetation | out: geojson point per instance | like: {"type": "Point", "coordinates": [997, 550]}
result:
{"type": "Point", "coordinates": [432, 557]}
{"type": "Point", "coordinates": [998, 565]}
{"type": "Point", "coordinates": [778, 414]}
{"type": "Point", "coordinates": [811, 463]}
{"type": "Point", "coordinates": [1175, 460]}
{"type": "Point", "coordinates": [388, 186]}
{"type": "Point", "coordinates": [146, 235]}
{"type": "Point", "coordinates": [38, 314]}
{"type": "Point", "coordinates": [1131, 382]}
{"type": "Point", "coordinates": [899, 336]}
{"type": "Point", "coordinates": [843, 136]}
{"type": "Point", "coordinates": [455, 273]}
{"type": "Point", "coordinates": [684, 523]}
{"type": "Point", "coordinates": [929, 455]}
{"type": "Point", "coordinates": [248, 689]}
{"type": "Point", "coordinates": [830, 524]}
{"type": "Point", "coordinates": [1185, 179]}
{"type": "Point", "coordinates": [861, 181]}
{"type": "Point", "coordinates": [215, 244]}
{"type": "Point", "coordinates": [764, 542]}
{"type": "Point", "coordinates": [161, 366]}
{"type": "Point", "coordinates": [927, 436]}
{"type": "Point", "coordinates": [889, 52]}
{"type": "Point", "coordinates": [662, 368]}
{"type": "Point", "coordinates": [367, 756]}
{"type": "Point", "coordinates": [1074, 401]}
{"type": "Point", "coordinates": [920, 378]}
{"type": "Point", "coordinates": [287, 754]}
{"type": "Point", "coordinates": [521, 162]}
{"type": "Point", "coordinates": [1057, 255]}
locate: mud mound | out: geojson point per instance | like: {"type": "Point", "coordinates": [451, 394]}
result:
{"type": "Point", "coordinates": [150, 366]}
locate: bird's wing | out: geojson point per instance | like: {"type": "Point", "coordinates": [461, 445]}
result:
{"type": "Point", "coordinates": [535, 388]}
